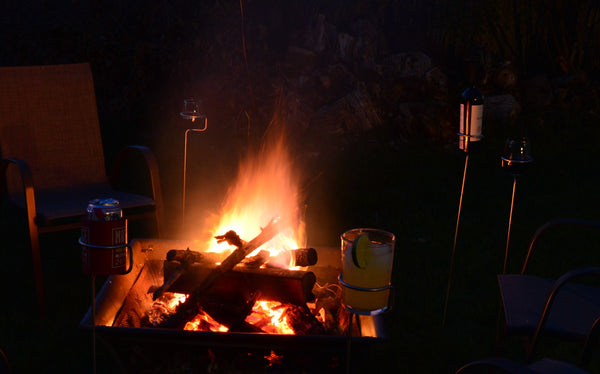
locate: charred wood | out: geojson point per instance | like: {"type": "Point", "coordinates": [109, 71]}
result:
{"type": "Point", "coordinates": [190, 307]}
{"type": "Point", "coordinates": [283, 285]}
{"type": "Point", "coordinates": [194, 256]}
{"type": "Point", "coordinates": [302, 321]}
{"type": "Point", "coordinates": [292, 257]}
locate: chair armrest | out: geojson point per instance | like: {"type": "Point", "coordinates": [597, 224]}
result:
{"type": "Point", "coordinates": [550, 225]}
{"type": "Point", "coordinates": [26, 178]}
{"type": "Point", "coordinates": [556, 287]}
{"type": "Point", "coordinates": [591, 342]}
{"type": "Point", "coordinates": [151, 164]}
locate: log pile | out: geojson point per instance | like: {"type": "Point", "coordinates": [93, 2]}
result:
{"type": "Point", "coordinates": [186, 311]}
{"type": "Point", "coordinates": [226, 287]}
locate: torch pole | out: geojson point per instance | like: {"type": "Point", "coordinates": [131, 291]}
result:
{"type": "Point", "coordinates": [462, 189]}
{"type": "Point", "coordinates": [512, 202]}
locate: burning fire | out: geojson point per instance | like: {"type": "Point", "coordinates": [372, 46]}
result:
{"type": "Point", "coordinates": [266, 187]}
{"type": "Point", "coordinates": [204, 322]}
{"type": "Point", "coordinates": [269, 316]}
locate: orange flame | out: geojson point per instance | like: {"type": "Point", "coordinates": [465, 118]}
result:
{"type": "Point", "coordinates": [269, 316]}
{"type": "Point", "coordinates": [266, 187]}
{"type": "Point", "coordinates": [204, 322]}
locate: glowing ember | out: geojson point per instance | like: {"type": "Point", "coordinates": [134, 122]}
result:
{"type": "Point", "coordinates": [204, 322]}
{"type": "Point", "coordinates": [274, 359]}
{"type": "Point", "coordinates": [176, 299]}
{"type": "Point", "coordinates": [164, 306]}
{"type": "Point", "coordinates": [266, 187]}
{"type": "Point", "coordinates": [270, 317]}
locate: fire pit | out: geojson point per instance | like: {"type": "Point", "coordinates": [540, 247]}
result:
{"type": "Point", "coordinates": [138, 344]}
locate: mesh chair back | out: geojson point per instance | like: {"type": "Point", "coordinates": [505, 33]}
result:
{"type": "Point", "coordinates": [48, 118]}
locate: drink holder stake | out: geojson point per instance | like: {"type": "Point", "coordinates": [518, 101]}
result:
{"type": "Point", "coordinates": [462, 190]}
{"type": "Point", "coordinates": [127, 246]}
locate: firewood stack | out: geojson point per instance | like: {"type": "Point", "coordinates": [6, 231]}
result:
{"type": "Point", "coordinates": [227, 287]}
{"type": "Point", "coordinates": [230, 299]}
{"type": "Point", "coordinates": [246, 278]}
{"type": "Point", "coordinates": [309, 300]}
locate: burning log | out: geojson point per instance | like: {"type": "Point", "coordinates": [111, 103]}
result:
{"type": "Point", "coordinates": [185, 259]}
{"type": "Point", "coordinates": [279, 284]}
{"type": "Point", "coordinates": [292, 257]}
{"type": "Point", "coordinates": [296, 257]}
{"type": "Point", "coordinates": [191, 306]}
{"type": "Point", "coordinates": [258, 260]}
{"type": "Point", "coordinates": [283, 285]}
{"type": "Point", "coordinates": [302, 321]}
{"type": "Point", "coordinates": [232, 314]}
{"type": "Point", "coordinates": [194, 256]}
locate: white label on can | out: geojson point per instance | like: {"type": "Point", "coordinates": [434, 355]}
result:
{"type": "Point", "coordinates": [119, 256]}
{"type": "Point", "coordinates": [119, 235]}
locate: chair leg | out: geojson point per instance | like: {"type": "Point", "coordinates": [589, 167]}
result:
{"type": "Point", "coordinates": [38, 275]}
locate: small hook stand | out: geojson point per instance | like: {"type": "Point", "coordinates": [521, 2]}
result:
{"type": "Point", "coordinates": [190, 112]}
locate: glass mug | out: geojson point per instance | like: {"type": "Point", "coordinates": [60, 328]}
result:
{"type": "Point", "coordinates": [367, 261]}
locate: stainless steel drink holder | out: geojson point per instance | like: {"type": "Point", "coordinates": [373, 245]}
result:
{"type": "Point", "coordinates": [355, 313]}
{"type": "Point", "coordinates": [126, 245]}
{"type": "Point", "coordinates": [470, 136]}
{"type": "Point", "coordinates": [375, 289]}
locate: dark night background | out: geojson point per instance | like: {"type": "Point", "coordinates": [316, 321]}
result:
{"type": "Point", "coordinates": [252, 62]}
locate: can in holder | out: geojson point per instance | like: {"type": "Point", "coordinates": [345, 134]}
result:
{"type": "Point", "coordinates": [104, 239]}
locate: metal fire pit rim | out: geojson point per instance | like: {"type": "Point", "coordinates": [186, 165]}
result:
{"type": "Point", "coordinates": [116, 287]}
{"type": "Point", "coordinates": [262, 341]}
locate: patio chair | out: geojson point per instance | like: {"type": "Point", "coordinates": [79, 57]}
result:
{"type": "Point", "coordinates": [503, 365]}
{"type": "Point", "coordinates": [536, 306]}
{"type": "Point", "coordinates": [52, 156]}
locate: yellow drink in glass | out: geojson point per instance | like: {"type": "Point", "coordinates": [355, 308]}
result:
{"type": "Point", "coordinates": [367, 261]}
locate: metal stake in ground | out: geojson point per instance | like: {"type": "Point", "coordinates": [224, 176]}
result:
{"type": "Point", "coordinates": [515, 160]}
{"type": "Point", "coordinates": [455, 236]}
{"type": "Point", "coordinates": [512, 203]}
